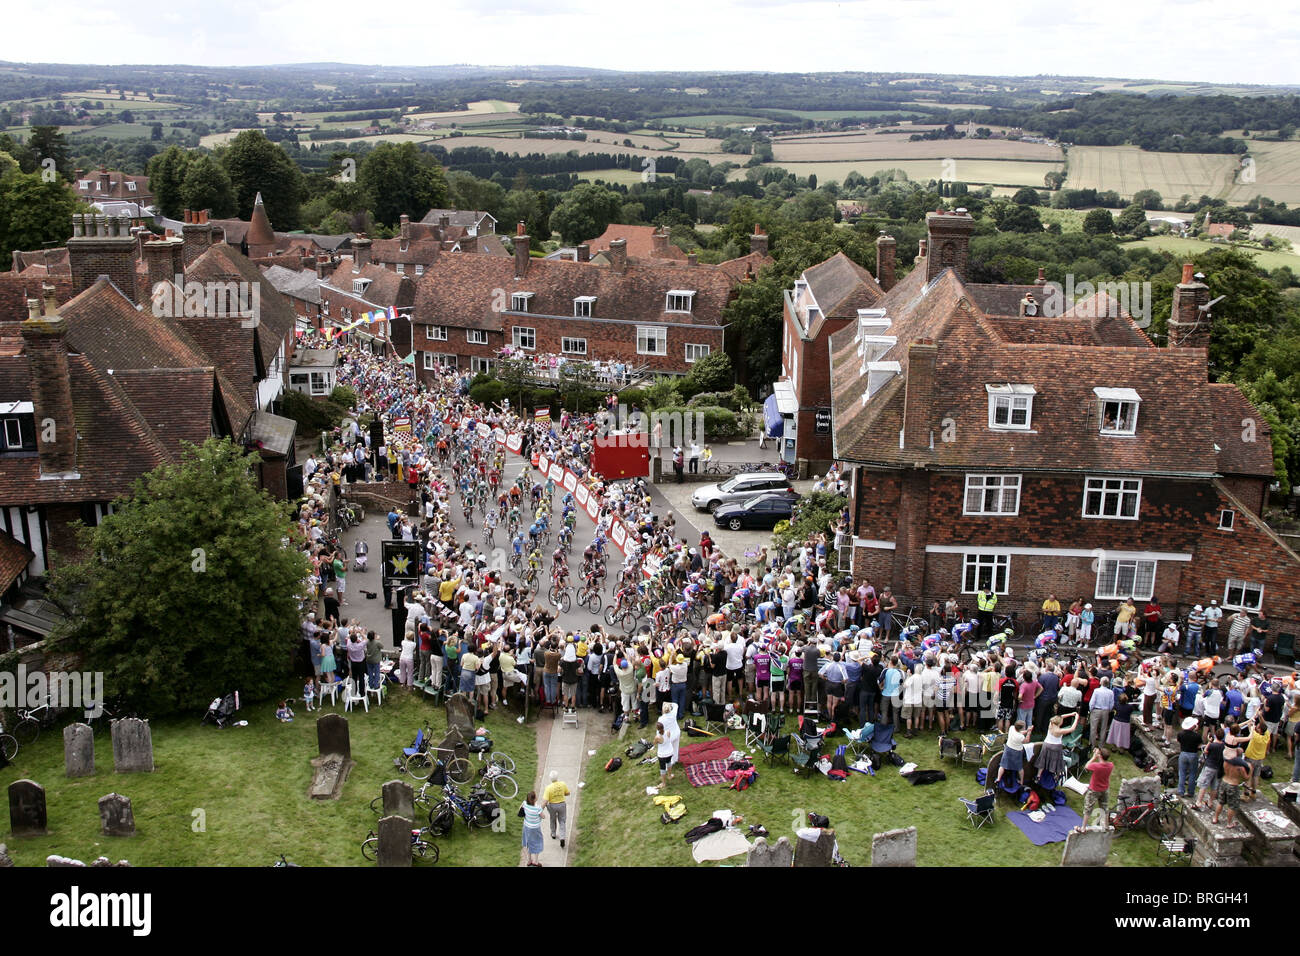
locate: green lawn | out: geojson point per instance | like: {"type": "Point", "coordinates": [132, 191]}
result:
{"type": "Point", "coordinates": [1193, 247]}
{"type": "Point", "coordinates": [619, 824]}
{"type": "Point", "coordinates": [251, 784]}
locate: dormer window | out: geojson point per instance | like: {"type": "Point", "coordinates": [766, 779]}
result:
{"type": "Point", "coordinates": [83, 183]}
{"type": "Point", "coordinates": [359, 286]}
{"type": "Point", "coordinates": [679, 300]}
{"type": "Point", "coordinates": [582, 306]}
{"type": "Point", "coordinates": [1010, 406]}
{"type": "Point", "coordinates": [130, 186]}
{"type": "Point", "coordinates": [1119, 410]}
{"type": "Point", "coordinates": [519, 301]}
{"type": "Point", "coordinates": [19, 427]}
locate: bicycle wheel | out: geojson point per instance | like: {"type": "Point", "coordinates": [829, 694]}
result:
{"type": "Point", "coordinates": [422, 849]}
{"type": "Point", "coordinates": [504, 761]}
{"type": "Point", "coordinates": [420, 766]}
{"type": "Point", "coordinates": [611, 615]}
{"type": "Point", "coordinates": [28, 729]}
{"type": "Point", "coordinates": [629, 621]}
{"type": "Point", "coordinates": [504, 786]}
{"type": "Point", "coordinates": [594, 602]}
{"type": "Point", "coordinates": [553, 594]}
{"type": "Point", "coordinates": [8, 747]}
{"type": "Point", "coordinates": [1164, 823]}
{"type": "Point", "coordinates": [377, 805]}
{"type": "Point", "coordinates": [370, 849]}
{"type": "Point", "coordinates": [482, 817]}
{"type": "Point", "coordinates": [441, 819]}
{"type": "Point", "coordinates": [565, 603]}
{"type": "Point", "coordinates": [458, 770]}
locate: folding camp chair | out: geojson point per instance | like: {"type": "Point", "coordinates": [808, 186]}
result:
{"type": "Point", "coordinates": [980, 810]}
{"type": "Point", "coordinates": [418, 746]}
{"type": "Point", "coordinates": [949, 747]}
{"type": "Point", "coordinates": [971, 753]}
{"type": "Point", "coordinates": [777, 749]}
{"type": "Point", "coordinates": [882, 739]}
{"type": "Point", "coordinates": [860, 740]}
{"type": "Point", "coordinates": [755, 728]}
{"type": "Point", "coordinates": [1178, 850]}
{"type": "Point", "coordinates": [715, 717]}
{"type": "Point", "coordinates": [804, 753]}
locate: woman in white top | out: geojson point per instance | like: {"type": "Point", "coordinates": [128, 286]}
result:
{"type": "Point", "coordinates": [406, 660]}
{"type": "Point", "coordinates": [1051, 756]}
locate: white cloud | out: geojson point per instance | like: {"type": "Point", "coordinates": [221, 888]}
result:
{"type": "Point", "coordinates": [1178, 39]}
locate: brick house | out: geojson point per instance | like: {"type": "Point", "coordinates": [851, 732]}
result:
{"type": "Point", "coordinates": [101, 186]}
{"type": "Point", "coordinates": [473, 222]}
{"type": "Point", "coordinates": [990, 444]}
{"type": "Point", "coordinates": [824, 299]}
{"type": "Point", "coordinates": [663, 315]}
{"type": "Point", "coordinates": [351, 288]}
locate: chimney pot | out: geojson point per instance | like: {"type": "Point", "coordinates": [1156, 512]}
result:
{"type": "Point", "coordinates": [519, 229]}
{"type": "Point", "coordinates": [693, 259]}
{"type": "Point", "coordinates": [584, 252]}
{"type": "Point", "coordinates": [1187, 273]}
{"type": "Point", "coordinates": [1042, 277]}
{"type": "Point", "coordinates": [618, 256]}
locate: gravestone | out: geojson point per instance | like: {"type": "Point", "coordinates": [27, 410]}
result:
{"type": "Point", "coordinates": [5, 861]}
{"type": "Point", "coordinates": [78, 750]}
{"type": "Point", "coordinates": [779, 854]}
{"type": "Point", "coordinates": [1288, 799]}
{"type": "Point", "coordinates": [27, 815]}
{"type": "Point", "coordinates": [460, 714]}
{"type": "Point", "coordinates": [55, 860]}
{"type": "Point", "coordinates": [1089, 847]}
{"type": "Point", "coordinates": [332, 736]}
{"type": "Point", "coordinates": [1273, 835]}
{"type": "Point", "coordinates": [894, 848]}
{"type": "Point", "coordinates": [394, 842]}
{"type": "Point", "coordinates": [1136, 790]}
{"type": "Point", "coordinates": [819, 852]}
{"type": "Point", "coordinates": [399, 799]}
{"type": "Point", "coordinates": [115, 816]}
{"type": "Point", "coordinates": [132, 746]}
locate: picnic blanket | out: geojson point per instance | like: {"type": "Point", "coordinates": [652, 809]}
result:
{"type": "Point", "coordinates": [719, 846]}
{"type": "Point", "coordinates": [718, 749]}
{"type": "Point", "coordinates": [707, 773]}
{"type": "Point", "coordinates": [1053, 828]}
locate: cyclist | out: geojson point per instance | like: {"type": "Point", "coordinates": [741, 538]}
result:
{"type": "Point", "coordinates": [560, 567]}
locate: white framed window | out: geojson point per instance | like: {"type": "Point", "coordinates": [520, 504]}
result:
{"type": "Point", "coordinates": [992, 495]}
{"type": "Point", "coordinates": [844, 552]}
{"type": "Point", "coordinates": [582, 306]}
{"type": "Point", "coordinates": [435, 333]}
{"type": "Point", "coordinates": [523, 338]}
{"type": "Point", "coordinates": [1112, 498]}
{"type": "Point", "coordinates": [679, 300]}
{"type": "Point", "coordinates": [13, 433]}
{"type": "Point", "coordinates": [519, 301]}
{"type": "Point", "coordinates": [419, 269]}
{"type": "Point", "coordinates": [651, 340]}
{"type": "Point", "coordinates": [476, 336]}
{"type": "Point", "coordinates": [1119, 410]}
{"type": "Point", "coordinates": [428, 360]}
{"type": "Point", "coordinates": [445, 360]}
{"type": "Point", "coordinates": [1243, 595]}
{"type": "Point", "coordinates": [359, 286]}
{"type": "Point", "coordinates": [696, 351]}
{"type": "Point", "coordinates": [320, 383]}
{"type": "Point", "coordinates": [479, 364]}
{"type": "Point", "coordinates": [401, 269]}
{"type": "Point", "coordinates": [1226, 519]}
{"type": "Point", "coordinates": [1011, 406]}
{"type": "Point", "coordinates": [573, 346]}
{"type": "Point", "coordinates": [985, 570]}
{"type": "Point", "coordinates": [130, 186]}
{"type": "Point", "coordinates": [84, 183]}
{"type": "Point", "coordinates": [1126, 578]}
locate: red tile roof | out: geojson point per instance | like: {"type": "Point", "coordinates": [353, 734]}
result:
{"type": "Point", "coordinates": [640, 242]}
{"type": "Point", "coordinates": [14, 558]}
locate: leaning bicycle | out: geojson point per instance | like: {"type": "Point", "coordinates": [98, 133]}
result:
{"type": "Point", "coordinates": [422, 846]}
{"type": "Point", "coordinates": [8, 745]}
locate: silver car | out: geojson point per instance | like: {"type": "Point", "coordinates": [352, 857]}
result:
{"type": "Point", "coordinates": [740, 488]}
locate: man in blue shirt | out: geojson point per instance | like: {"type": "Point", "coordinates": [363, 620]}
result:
{"type": "Point", "coordinates": [1187, 696]}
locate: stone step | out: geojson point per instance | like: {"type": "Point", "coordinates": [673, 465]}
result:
{"type": "Point", "coordinates": [1215, 841]}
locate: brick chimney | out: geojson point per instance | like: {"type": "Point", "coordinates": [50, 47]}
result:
{"type": "Point", "coordinates": [164, 260]}
{"type": "Point", "coordinates": [919, 395]}
{"type": "Point", "coordinates": [198, 233]}
{"type": "Point", "coordinates": [886, 255]}
{"type": "Point", "coordinates": [405, 229]}
{"type": "Point", "coordinates": [444, 222]}
{"type": "Point", "coordinates": [758, 240]}
{"type": "Point", "coordinates": [583, 253]}
{"type": "Point", "coordinates": [1042, 277]}
{"type": "Point", "coordinates": [693, 259]}
{"type": "Point", "coordinates": [618, 256]}
{"type": "Point", "coordinates": [105, 181]}
{"type": "Point", "coordinates": [521, 252]}
{"type": "Point", "coordinates": [659, 240]}
{"type": "Point", "coordinates": [1189, 323]}
{"type": "Point", "coordinates": [102, 246]}
{"type": "Point", "coordinates": [45, 344]}
{"type": "Point", "coordinates": [948, 235]}
{"type": "Point", "coordinates": [324, 266]}
{"type": "Point", "coordinates": [360, 252]}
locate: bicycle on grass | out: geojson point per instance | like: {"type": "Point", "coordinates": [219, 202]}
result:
{"type": "Point", "coordinates": [422, 847]}
{"type": "Point", "coordinates": [478, 809]}
{"type": "Point", "coordinates": [1163, 817]}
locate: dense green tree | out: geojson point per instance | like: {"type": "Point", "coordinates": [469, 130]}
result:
{"type": "Point", "coordinates": [1028, 196]}
{"type": "Point", "coordinates": [167, 173]}
{"type": "Point", "coordinates": [190, 588]}
{"type": "Point", "coordinates": [34, 213]}
{"type": "Point", "coordinates": [1099, 222]}
{"type": "Point", "coordinates": [399, 179]}
{"type": "Point", "coordinates": [207, 186]}
{"type": "Point", "coordinates": [1148, 199]}
{"type": "Point", "coordinates": [256, 165]}
{"type": "Point", "coordinates": [1132, 221]}
{"type": "Point", "coordinates": [47, 142]}
{"type": "Point", "coordinates": [585, 211]}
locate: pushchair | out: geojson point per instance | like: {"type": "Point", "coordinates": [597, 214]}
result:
{"type": "Point", "coordinates": [362, 557]}
{"type": "Point", "coordinates": [222, 710]}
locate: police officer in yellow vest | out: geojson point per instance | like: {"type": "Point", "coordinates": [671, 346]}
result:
{"type": "Point", "coordinates": [986, 602]}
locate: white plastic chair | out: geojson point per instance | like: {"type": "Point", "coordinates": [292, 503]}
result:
{"type": "Point", "coordinates": [377, 691]}
{"type": "Point", "coordinates": [330, 690]}
{"type": "Point", "coordinates": [352, 697]}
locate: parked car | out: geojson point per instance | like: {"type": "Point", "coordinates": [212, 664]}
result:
{"type": "Point", "coordinates": [740, 488]}
{"type": "Point", "coordinates": [761, 511]}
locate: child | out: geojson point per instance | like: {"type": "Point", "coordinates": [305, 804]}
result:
{"type": "Point", "coordinates": [284, 714]}
{"type": "Point", "coordinates": [309, 695]}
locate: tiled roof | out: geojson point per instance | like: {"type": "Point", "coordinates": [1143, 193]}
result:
{"type": "Point", "coordinates": [386, 286]}
{"type": "Point", "coordinates": [490, 244]}
{"type": "Point", "coordinates": [458, 217]}
{"type": "Point", "coordinates": [741, 266]}
{"type": "Point", "coordinates": [14, 558]}
{"type": "Point", "coordinates": [16, 289]}
{"type": "Point", "coordinates": [300, 284]}
{"type": "Point", "coordinates": [841, 287]}
{"type": "Point", "coordinates": [260, 232]}
{"type": "Point", "coordinates": [276, 317]}
{"type": "Point", "coordinates": [421, 251]}
{"type": "Point", "coordinates": [1242, 434]}
{"type": "Point", "coordinates": [115, 445]}
{"type": "Point", "coordinates": [640, 242]}
{"type": "Point", "coordinates": [272, 433]}
{"type": "Point", "coordinates": [117, 188]}
{"type": "Point", "coordinates": [459, 290]}
{"type": "Point", "coordinates": [1177, 421]}
{"type": "Point", "coordinates": [177, 403]}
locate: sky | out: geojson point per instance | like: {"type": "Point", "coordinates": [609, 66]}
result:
{"type": "Point", "coordinates": [1198, 40]}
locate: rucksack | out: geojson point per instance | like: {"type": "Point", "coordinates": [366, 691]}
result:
{"type": "Point", "coordinates": [613, 764]}
{"type": "Point", "coordinates": [1032, 803]}
{"type": "Point", "coordinates": [637, 749]}
{"type": "Point", "coordinates": [819, 822]}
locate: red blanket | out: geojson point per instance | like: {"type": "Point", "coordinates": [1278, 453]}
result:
{"type": "Point", "coordinates": [719, 749]}
{"type": "Point", "coordinates": [708, 773]}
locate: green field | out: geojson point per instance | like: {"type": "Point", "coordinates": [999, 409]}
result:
{"type": "Point", "coordinates": [1194, 247]}
{"type": "Point", "coordinates": [974, 171]}
{"type": "Point", "coordinates": [251, 785]}
{"type": "Point", "coordinates": [714, 119]}
{"type": "Point", "coordinates": [829, 116]}
{"type": "Point", "coordinates": [619, 824]}
{"type": "Point", "coordinates": [111, 131]}
{"type": "Point", "coordinates": [1071, 220]}
{"type": "Point", "coordinates": [623, 177]}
